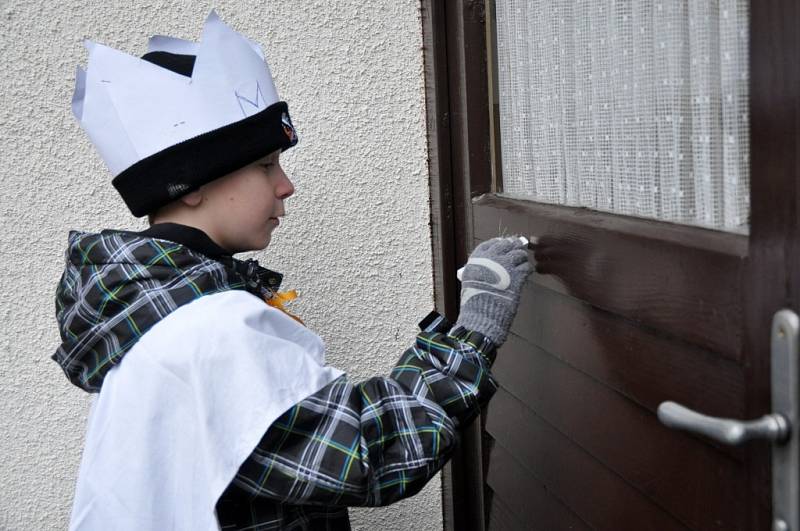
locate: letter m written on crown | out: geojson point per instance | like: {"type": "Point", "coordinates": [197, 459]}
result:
{"type": "Point", "coordinates": [250, 98]}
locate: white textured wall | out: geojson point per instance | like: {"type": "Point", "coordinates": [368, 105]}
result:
{"type": "Point", "coordinates": [355, 243]}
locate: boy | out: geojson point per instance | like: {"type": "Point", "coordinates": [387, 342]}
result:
{"type": "Point", "coordinates": [213, 409]}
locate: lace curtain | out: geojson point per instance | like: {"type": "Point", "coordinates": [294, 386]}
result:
{"type": "Point", "coordinates": [636, 107]}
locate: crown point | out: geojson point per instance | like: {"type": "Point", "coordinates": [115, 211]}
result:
{"type": "Point", "coordinates": [79, 93]}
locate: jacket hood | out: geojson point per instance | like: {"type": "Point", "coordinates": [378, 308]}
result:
{"type": "Point", "coordinates": [118, 284]}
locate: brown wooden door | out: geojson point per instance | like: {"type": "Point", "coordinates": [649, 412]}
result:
{"type": "Point", "coordinates": [621, 315]}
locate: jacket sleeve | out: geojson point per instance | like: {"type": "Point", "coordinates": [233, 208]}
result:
{"type": "Point", "coordinates": [377, 441]}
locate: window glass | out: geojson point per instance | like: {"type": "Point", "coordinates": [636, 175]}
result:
{"type": "Point", "coordinates": [636, 107]}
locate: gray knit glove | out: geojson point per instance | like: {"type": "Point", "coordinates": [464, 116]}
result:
{"type": "Point", "coordinates": [490, 287]}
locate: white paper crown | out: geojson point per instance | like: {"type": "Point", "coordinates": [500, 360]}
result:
{"type": "Point", "coordinates": [132, 108]}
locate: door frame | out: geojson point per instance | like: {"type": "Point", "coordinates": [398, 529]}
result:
{"type": "Point", "coordinates": [454, 50]}
{"type": "Point", "coordinates": [774, 242]}
{"type": "Point", "coordinates": [460, 165]}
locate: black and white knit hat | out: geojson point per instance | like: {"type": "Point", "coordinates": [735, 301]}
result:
{"type": "Point", "coordinates": [182, 115]}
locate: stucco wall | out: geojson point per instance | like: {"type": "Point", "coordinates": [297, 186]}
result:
{"type": "Point", "coordinates": [355, 243]}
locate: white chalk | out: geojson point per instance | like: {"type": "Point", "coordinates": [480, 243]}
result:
{"type": "Point", "coordinates": [525, 241]}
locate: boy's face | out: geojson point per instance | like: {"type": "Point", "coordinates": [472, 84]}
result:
{"type": "Point", "coordinates": [242, 208]}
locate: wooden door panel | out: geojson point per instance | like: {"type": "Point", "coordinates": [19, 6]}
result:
{"type": "Point", "coordinates": [596, 494]}
{"type": "Point", "coordinates": [523, 499]}
{"type": "Point", "coordinates": [623, 314]}
{"type": "Point", "coordinates": [682, 281]}
{"type": "Point", "coordinates": [640, 363]}
{"type": "Point", "coordinates": [501, 518]}
{"type": "Point", "coordinates": [625, 437]}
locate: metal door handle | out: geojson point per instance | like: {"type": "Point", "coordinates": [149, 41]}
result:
{"type": "Point", "coordinates": [773, 427]}
{"type": "Point", "coordinates": [776, 427]}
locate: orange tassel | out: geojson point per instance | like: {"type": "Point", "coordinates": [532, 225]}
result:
{"type": "Point", "coordinates": [277, 300]}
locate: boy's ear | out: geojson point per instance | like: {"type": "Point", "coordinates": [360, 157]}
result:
{"type": "Point", "coordinates": [192, 199]}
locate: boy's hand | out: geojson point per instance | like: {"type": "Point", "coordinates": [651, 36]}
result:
{"type": "Point", "coordinates": [490, 286]}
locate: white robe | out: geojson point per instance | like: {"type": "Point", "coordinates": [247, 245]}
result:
{"type": "Point", "coordinates": [185, 407]}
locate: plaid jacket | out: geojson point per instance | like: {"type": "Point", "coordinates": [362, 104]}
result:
{"type": "Point", "coordinates": [368, 443]}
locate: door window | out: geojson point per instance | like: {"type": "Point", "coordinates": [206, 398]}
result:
{"type": "Point", "coordinates": [635, 107]}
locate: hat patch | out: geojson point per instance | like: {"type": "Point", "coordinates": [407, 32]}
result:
{"type": "Point", "coordinates": [176, 189]}
{"type": "Point", "coordinates": [288, 128]}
